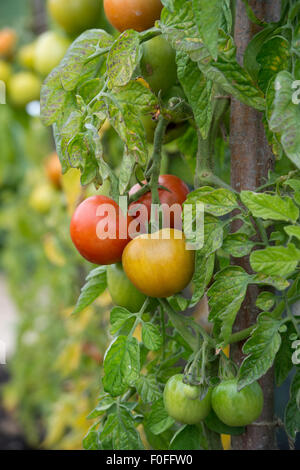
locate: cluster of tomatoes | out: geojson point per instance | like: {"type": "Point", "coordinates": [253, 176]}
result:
{"type": "Point", "coordinates": [145, 266]}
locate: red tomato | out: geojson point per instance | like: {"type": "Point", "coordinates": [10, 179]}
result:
{"type": "Point", "coordinates": [176, 194]}
{"type": "Point", "coordinates": [96, 230]}
{"type": "Point", "coordinates": [132, 14]}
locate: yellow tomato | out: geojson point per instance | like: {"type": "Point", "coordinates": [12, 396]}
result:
{"type": "Point", "coordinates": [24, 87]}
{"type": "Point", "coordinates": [49, 50]}
{"type": "Point", "coordinates": [159, 267]}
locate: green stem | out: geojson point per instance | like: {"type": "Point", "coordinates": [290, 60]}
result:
{"type": "Point", "coordinates": [156, 157]}
{"type": "Point", "coordinates": [262, 231]}
{"type": "Point", "coordinates": [179, 323]}
{"type": "Point", "coordinates": [241, 335]}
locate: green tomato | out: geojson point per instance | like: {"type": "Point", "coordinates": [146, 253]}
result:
{"type": "Point", "coordinates": [5, 71]}
{"type": "Point", "coordinates": [158, 64]}
{"type": "Point", "coordinates": [24, 87]}
{"type": "Point", "coordinates": [50, 48]}
{"type": "Point", "coordinates": [121, 289]}
{"type": "Point", "coordinates": [42, 198]}
{"type": "Point", "coordinates": [75, 16]}
{"type": "Point", "coordinates": [182, 401]}
{"type": "Point", "coordinates": [237, 408]}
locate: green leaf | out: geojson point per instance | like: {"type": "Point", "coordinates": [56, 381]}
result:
{"type": "Point", "coordinates": [225, 298]}
{"type": "Point", "coordinates": [158, 419]}
{"type": "Point", "coordinates": [238, 245]}
{"type": "Point", "coordinates": [105, 403]}
{"type": "Point", "coordinates": [198, 91]}
{"type": "Point", "coordinates": [217, 202]}
{"type": "Point", "coordinates": [265, 301]}
{"type": "Point", "coordinates": [268, 206]}
{"type": "Point", "coordinates": [91, 439]}
{"type": "Point", "coordinates": [151, 336]}
{"type": "Point", "coordinates": [261, 349]}
{"type": "Point", "coordinates": [214, 424]}
{"type": "Point", "coordinates": [276, 260]}
{"type": "Point", "coordinates": [253, 48]}
{"type": "Point", "coordinates": [285, 117]}
{"type": "Point", "coordinates": [204, 268]}
{"type": "Point", "coordinates": [292, 411]}
{"type": "Point", "coordinates": [53, 98]}
{"type": "Point", "coordinates": [147, 387]}
{"type": "Point", "coordinates": [186, 438]}
{"type": "Point", "coordinates": [120, 428]}
{"type": "Point", "coordinates": [119, 316]}
{"type": "Point", "coordinates": [95, 286]}
{"type": "Point", "coordinates": [229, 75]}
{"type": "Point", "coordinates": [283, 361]}
{"type": "Point", "coordinates": [123, 58]}
{"type": "Point", "coordinates": [273, 57]}
{"type": "Point", "coordinates": [293, 231]}
{"type": "Point", "coordinates": [208, 16]}
{"type": "Point", "coordinates": [293, 183]}
{"type": "Point", "coordinates": [75, 65]}
{"type": "Point", "coordinates": [277, 282]}
{"type": "Point", "coordinates": [121, 365]}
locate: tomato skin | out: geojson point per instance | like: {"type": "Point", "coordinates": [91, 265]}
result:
{"type": "Point", "coordinates": [54, 170]}
{"type": "Point", "coordinates": [5, 71]}
{"type": "Point", "coordinates": [132, 14]}
{"type": "Point", "coordinates": [75, 16]}
{"type": "Point", "coordinates": [50, 48]}
{"type": "Point", "coordinates": [159, 267]}
{"type": "Point", "coordinates": [177, 194]}
{"type": "Point", "coordinates": [26, 55]}
{"type": "Point", "coordinates": [8, 39]}
{"type": "Point", "coordinates": [83, 231]}
{"type": "Point", "coordinates": [121, 289]}
{"type": "Point", "coordinates": [24, 87]}
{"type": "Point", "coordinates": [237, 408]}
{"type": "Point", "coordinates": [181, 402]}
{"type": "Point", "coordinates": [158, 64]}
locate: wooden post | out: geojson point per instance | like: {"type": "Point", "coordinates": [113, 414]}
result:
{"type": "Point", "coordinates": [251, 158]}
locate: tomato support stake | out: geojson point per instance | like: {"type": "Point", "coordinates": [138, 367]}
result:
{"type": "Point", "coordinates": [251, 158]}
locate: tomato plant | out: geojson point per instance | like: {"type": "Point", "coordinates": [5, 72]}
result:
{"type": "Point", "coordinates": [121, 289]}
{"type": "Point", "coordinates": [243, 231]}
{"type": "Point", "coordinates": [8, 39]}
{"type": "Point", "coordinates": [74, 16]}
{"type": "Point", "coordinates": [183, 402]}
{"type": "Point", "coordinates": [132, 14]}
{"type": "Point", "coordinates": [237, 408]}
{"type": "Point", "coordinates": [90, 226]}
{"type": "Point", "coordinates": [53, 169]}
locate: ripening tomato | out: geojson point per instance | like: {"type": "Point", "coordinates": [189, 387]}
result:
{"type": "Point", "coordinates": [132, 14]}
{"type": "Point", "coordinates": [176, 193]}
{"type": "Point", "coordinates": [98, 230]}
{"type": "Point", "coordinates": [158, 64]}
{"type": "Point", "coordinates": [50, 48]}
{"type": "Point", "coordinates": [24, 87]}
{"type": "Point", "coordinates": [182, 402]}
{"type": "Point", "coordinates": [8, 39]}
{"type": "Point", "coordinates": [53, 169]}
{"type": "Point", "coordinates": [121, 289]}
{"type": "Point", "coordinates": [161, 266]}
{"type": "Point", "coordinates": [237, 408]}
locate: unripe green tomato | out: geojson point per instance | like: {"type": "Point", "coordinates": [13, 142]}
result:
{"type": "Point", "coordinates": [42, 198]}
{"type": "Point", "coordinates": [49, 50]}
{"type": "Point", "coordinates": [237, 408]}
{"type": "Point", "coordinates": [121, 289]}
{"type": "Point", "coordinates": [26, 55]}
{"type": "Point", "coordinates": [5, 71]}
{"type": "Point", "coordinates": [158, 64]}
{"type": "Point", "coordinates": [75, 16]}
{"type": "Point", "coordinates": [23, 88]}
{"type": "Point", "coordinates": [182, 401]}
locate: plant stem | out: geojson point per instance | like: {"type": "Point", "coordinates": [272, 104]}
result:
{"type": "Point", "coordinates": [241, 335]}
{"type": "Point", "coordinates": [262, 231]}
